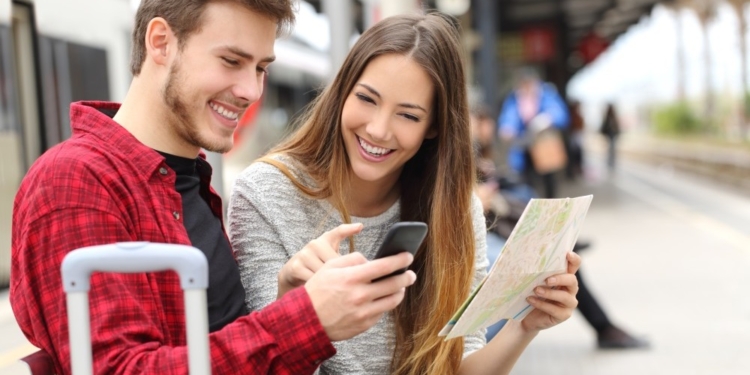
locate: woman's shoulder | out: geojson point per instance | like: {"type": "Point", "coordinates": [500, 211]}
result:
{"type": "Point", "coordinates": [269, 171]}
{"type": "Point", "coordinates": [265, 175]}
{"type": "Point", "coordinates": [476, 206]}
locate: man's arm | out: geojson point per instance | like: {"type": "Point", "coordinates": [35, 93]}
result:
{"type": "Point", "coordinates": [130, 334]}
{"type": "Point", "coordinates": [554, 106]}
{"type": "Point", "coordinates": [509, 120]}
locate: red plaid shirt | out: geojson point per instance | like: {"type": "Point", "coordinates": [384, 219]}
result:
{"type": "Point", "coordinates": [103, 186]}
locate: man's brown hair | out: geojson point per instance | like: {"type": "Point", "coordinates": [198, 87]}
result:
{"type": "Point", "coordinates": [185, 17]}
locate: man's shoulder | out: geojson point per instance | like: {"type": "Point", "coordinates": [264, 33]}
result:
{"type": "Point", "coordinates": [70, 157]}
{"type": "Point", "coordinates": [67, 174]}
{"type": "Point", "coordinates": [550, 90]}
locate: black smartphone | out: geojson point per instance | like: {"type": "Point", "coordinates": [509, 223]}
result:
{"type": "Point", "coordinates": [402, 236]}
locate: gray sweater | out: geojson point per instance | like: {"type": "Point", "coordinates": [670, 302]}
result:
{"type": "Point", "coordinates": [270, 220]}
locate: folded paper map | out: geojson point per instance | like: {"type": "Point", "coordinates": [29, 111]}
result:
{"type": "Point", "coordinates": [535, 250]}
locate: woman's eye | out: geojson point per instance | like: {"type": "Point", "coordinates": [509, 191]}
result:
{"type": "Point", "coordinates": [262, 70]}
{"type": "Point", "coordinates": [410, 117]}
{"type": "Point", "coordinates": [364, 98]}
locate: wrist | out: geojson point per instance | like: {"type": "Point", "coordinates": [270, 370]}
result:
{"type": "Point", "coordinates": [524, 329]}
{"type": "Point", "coordinates": [283, 286]}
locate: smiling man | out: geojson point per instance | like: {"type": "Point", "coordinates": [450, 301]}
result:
{"type": "Point", "coordinates": [134, 172]}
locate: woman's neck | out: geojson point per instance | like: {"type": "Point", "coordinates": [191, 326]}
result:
{"type": "Point", "coordinates": [369, 199]}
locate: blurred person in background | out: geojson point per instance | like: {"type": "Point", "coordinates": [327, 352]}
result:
{"type": "Point", "coordinates": [533, 108]}
{"type": "Point", "coordinates": [387, 141]}
{"type": "Point", "coordinates": [503, 209]}
{"type": "Point", "coordinates": [575, 141]}
{"type": "Point", "coordinates": [610, 129]}
{"type": "Point", "coordinates": [135, 172]}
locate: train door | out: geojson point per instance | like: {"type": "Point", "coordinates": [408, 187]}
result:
{"type": "Point", "coordinates": [21, 138]}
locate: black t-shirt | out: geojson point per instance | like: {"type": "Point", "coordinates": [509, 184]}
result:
{"type": "Point", "coordinates": [226, 296]}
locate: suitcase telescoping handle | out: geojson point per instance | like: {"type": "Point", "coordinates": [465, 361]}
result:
{"type": "Point", "coordinates": [135, 257]}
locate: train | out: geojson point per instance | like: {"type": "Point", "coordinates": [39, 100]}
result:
{"type": "Point", "coordinates": [56, 52]}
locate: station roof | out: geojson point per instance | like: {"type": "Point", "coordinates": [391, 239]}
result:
{"type": "Point", "coordinates": [606, 18]}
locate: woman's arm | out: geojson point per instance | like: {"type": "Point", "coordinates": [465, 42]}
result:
{"type": "Point", "coordinates": [500, 355]}
{"type": "Point", "coordinates": [553, 304]}
{"type": "Point", "coordinates": [254, 233]}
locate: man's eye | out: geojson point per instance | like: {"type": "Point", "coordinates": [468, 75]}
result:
{"type": "Point", "coordinates": [231, 62]}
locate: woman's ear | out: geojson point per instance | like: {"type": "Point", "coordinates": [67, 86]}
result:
{"type": "Point", "coordinates": [432, 132]}
{"type": "Point", "coordinates": [159, 40]}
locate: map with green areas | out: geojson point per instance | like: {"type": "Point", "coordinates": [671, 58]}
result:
{"type": "Point", "coordinates": [535, 250]}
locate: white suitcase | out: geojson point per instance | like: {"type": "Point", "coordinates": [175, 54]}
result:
{"type": "Point", "coordinates": [136, 257]}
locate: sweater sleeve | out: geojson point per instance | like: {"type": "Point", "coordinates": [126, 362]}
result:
{"type": "Point", "coordinates": [477, 340]}
{"type": "Point", "coordinates": [256, 225]}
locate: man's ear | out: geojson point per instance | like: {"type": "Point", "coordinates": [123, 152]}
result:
{"type": "Point", "coordinates": [159, 41]}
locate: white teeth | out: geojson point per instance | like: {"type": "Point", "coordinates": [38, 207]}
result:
{"type": "Point", "coordinates": [224, 112]}
{"type": "Point", "coordinates": [377, 151]}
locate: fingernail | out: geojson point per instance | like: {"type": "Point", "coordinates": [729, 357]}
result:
{"type": "Point", "coordinates": [531, 300]}
{"type": "Point", "coordinates": [551, 281]}
{"type": "Point", "coordinates": [540, 291]}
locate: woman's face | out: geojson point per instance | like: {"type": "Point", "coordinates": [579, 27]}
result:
{"type": "Point", "coordinates": [386, 117]}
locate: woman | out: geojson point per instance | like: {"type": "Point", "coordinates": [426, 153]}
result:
{"type": "Point", "coordinates": [387, 141]}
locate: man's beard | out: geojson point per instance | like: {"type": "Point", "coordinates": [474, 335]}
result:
{"type": "Point", "coordinates": [180, 118]}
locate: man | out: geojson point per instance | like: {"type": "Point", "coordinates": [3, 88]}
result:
{"type": "Point", "coordinates": [531, 108]}
{"type": "Point", "coordinates": [135, 173]}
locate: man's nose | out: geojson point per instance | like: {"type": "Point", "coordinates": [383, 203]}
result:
{"type": "Point", "coordinates": [249, 89]}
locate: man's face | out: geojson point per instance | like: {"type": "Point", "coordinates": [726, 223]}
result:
{"type": "Point", "coordinates": [217, 75]}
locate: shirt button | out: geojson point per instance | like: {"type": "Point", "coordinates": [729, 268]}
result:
{"type": "Point", "coordinates": [163, 171]}
{"type": "Point", "coordinates": [176, 215]}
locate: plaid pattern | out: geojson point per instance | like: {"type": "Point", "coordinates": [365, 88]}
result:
{"type": "Point", "coordinates": [103, 186]}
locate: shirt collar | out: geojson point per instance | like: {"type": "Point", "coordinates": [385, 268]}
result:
{"type": "Point", "coordinates": [89, 118]}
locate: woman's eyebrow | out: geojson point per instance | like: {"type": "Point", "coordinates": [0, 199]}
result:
{"type": "Point", "coordinates": [405, 105]}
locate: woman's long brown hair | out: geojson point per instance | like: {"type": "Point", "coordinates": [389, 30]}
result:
{"type": "Point", "coordinates": [436, 184]}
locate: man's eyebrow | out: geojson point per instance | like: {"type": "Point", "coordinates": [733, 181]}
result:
{"type": "Point", "coordinates": [245, 55]}
{"type": "Point", "coordinates": [405, 105]}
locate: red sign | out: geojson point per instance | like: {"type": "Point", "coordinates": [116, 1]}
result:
{"type": "Point", "coordinates": [538, 44]}
{"type": "Point", "coordinates": [247, 120]}
{"type": "Point", "coordinates": [591, 46]}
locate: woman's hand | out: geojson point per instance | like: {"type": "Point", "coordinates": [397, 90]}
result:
{"type": "Point", "coordinates": [307, 261]}
{"type": "Point", "coordinates": [554, 303]}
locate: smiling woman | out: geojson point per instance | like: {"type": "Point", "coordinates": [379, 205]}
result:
{"type": "Point", "coordinates": [388, 140]}
{"type": "Point", "coordinates": [384, 120]}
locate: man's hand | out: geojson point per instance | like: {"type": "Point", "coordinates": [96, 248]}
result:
{"type": "Point", "coordinates": [540, 122]}
{"type": "Point", "coordinates": [345, 298]}
{"type": "Point", "coordinates": [307, 261]}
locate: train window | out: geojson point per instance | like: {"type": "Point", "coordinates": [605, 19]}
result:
{"type": "Point", "coordinates": [70, 72]}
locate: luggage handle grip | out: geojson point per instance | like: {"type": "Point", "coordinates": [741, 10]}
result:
{"type": "Point", "coordinates": [134, 257]}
